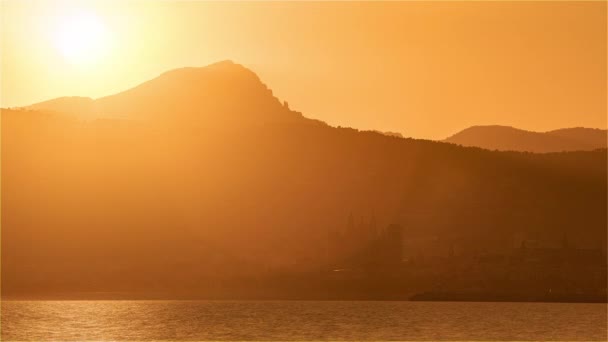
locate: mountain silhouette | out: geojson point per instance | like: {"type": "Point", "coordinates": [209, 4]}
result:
{"type": "Point", "coordinates": [505, 138]}
{"type": "Point", "coordinates": [224, 93]}
{"type": "Point", "coordinates": [202, 173]}
{"type": "Point", "coordinates": [592, 137]}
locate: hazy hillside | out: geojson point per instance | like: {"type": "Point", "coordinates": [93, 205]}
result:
{"type": "Point", "coordinates": [504, 138]}
{"type": "Point", "coordinates": [207, 173]}
{"type": "Point", "coordinates": [592, 137]}
{"type": "Point", "coordinates": [69, 105]}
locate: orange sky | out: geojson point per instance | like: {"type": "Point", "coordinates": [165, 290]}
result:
{"type": "Point", "coordinates": [426, 70]}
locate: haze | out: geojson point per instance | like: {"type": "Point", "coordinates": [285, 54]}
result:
{"type": "Point", "coordinates": [425, 70]}
{"type": "Point", "coordinates": [303, 171]}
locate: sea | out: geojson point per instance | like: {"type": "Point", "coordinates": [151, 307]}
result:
{"type": "Point", "coordinates": [171, 320]}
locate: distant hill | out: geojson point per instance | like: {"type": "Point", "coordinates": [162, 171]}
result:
{"type": "Point", "coordinates": [505, 138]}
{"type": "Point", "coordinates": [391, 134]}
{"type": "Point", "coordinates": [203, 173]}
{"type": "Point", "coordinates": [592, 137]}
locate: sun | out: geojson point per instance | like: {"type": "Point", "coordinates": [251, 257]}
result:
{"type": "Point", "coordinates": [81, 37]}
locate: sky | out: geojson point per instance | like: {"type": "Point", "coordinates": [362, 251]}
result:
{"type": "Point", "coordinates": [426, 70]}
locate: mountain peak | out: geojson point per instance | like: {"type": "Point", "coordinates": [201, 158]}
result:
{"type": "Point", "coordinates": [224, 64]}
{"type": "Point", "coordinates": [224, 92]}
{"type": "Point", "coordinates": [221, 66]}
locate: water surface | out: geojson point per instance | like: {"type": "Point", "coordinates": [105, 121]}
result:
{"type": "Point", "coordinates": [299, 320]}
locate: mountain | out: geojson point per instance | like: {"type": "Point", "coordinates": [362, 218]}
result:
{"type": "Point", "coordinates": [505, 138]}
{"type": "Point", "coordinates": [591, 137]}
{"type": "Point", "coordinates": [219, 93]}
{"type": "Point", "coordinates": [201, 178]}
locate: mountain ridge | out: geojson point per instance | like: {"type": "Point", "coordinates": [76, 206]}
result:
{"type": "Point", "coordinates": [508, 138]}
{"type": "Point", "coordinates": [195, 92]}
{"type": "Point", "coordinates": [236, 78]}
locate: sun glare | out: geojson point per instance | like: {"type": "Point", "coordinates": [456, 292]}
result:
{"type": "Point", "coordinates": [81, 37]}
